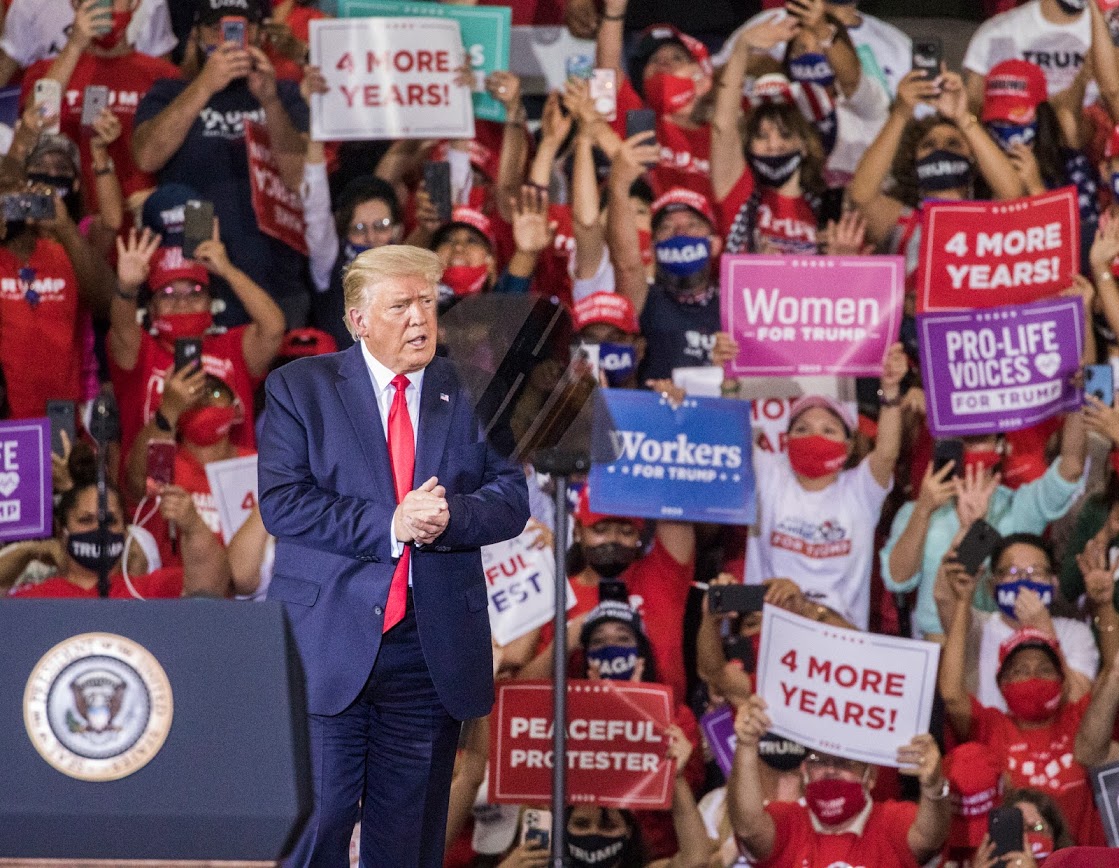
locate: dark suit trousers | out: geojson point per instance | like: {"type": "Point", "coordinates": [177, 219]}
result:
{"type": "Point", "coordinates": [393, 750]}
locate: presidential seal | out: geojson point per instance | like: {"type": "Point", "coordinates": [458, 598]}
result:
{"type": "Point", "coordinates": [98, 707]}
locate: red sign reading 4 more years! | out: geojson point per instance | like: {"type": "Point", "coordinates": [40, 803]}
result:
{"type": "Point", "coordinates": [986, 254]}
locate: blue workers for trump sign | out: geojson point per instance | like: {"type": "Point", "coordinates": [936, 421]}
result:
{"type": "Point", "coordinates": [691, 463]}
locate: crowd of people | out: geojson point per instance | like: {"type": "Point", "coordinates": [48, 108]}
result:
{"type": "Point", "coordinates": [801, 130]}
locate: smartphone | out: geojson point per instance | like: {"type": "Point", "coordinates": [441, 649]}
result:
{"type": "Point", "coordinates": [613, 589]}
{"type": "Point", "coordinates": [536, 828]}
{"type": "Point", "coordinates": [1099, 382]}
{"type": "Point", "coordinates": [62, 417]}
{"type": "Point", "coordinates": [640, 121]}
{"type": "Point", "coordinates": [48, 98]}
{"type": "Point", "coordinates": [740, 648]}
{"type": "Point", "coordinates": [580, 66]}
{"type": "Point", "coordinates": [591, 354]}
{"type": "Point", "coordinates": [437, 182]}
{"type": "Point", "coordinates": [95, 99]}
{"type": "Point", "coordinates": [1004, 825]}
{"type": "Point", "coordinates": [604, 93]}
{"type": "Point", "coordinates": [977, 545]}
{"type": "Point", "coordinates": [927, 54]}
{"type": "Point", "coordinates": [26, 206]}
{"type": "Point", "coordinates": [161, 461]}
{"type": "Point", "coordinates": [187, 351]}
{"type": "Point", "coordinates": [233, 30]}
{"type": "Point", "coordinates": [723, 599]}
{"type": "Point", "coordinates": [949, 449]}
{"type": "Point", "coordinates": [198, 225]}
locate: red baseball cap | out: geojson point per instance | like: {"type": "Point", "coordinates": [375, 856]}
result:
{"type": "Point", "coordinates": [1014, 90]}
{"type": "Point", "coordinates": [472, 218]}
{"type": "Point", "coordinates": [822, 401]}
{"type": "Point", "coordinates": [974, 775]}
{"type": "Point", "coordinates": [681, 197]}
{"type": "Point", "coordinates": [586, 518]}
{"type": "Point", "coordinates": [1029, 637]}
{"type": "Point", "coordinates": [656, 35]}
{"type": "Point", "coordinates": [610, 308]}
{"type": "Point", "coordinates": [169, 265]}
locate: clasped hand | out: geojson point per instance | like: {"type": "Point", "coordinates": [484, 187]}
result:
{"type": "Point", "coordinates": [423, 514]}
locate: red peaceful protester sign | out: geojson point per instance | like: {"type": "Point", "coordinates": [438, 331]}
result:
{"type": "Point", "coordinates": [279, 211]}
{"type": "Point", "coordinates": [616, 745]}
{"type": "Point", "coordinates": [985, 254]}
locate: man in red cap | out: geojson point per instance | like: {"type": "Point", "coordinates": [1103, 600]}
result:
{"type": "Point", "coordinates": [679, 311]}
{"type": "Point", "coordinates": [140, 361]}
{"type": "Point", "coordinates": [607, 320]}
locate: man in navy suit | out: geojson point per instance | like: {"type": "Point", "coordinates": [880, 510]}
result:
{"type": "Point", "coordinates": [379, 568]}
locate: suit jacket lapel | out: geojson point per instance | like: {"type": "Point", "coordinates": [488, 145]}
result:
{"type": "Point", "coordinates": [437, 404]}
{"type": "Point", "coordinates": [355, 387]}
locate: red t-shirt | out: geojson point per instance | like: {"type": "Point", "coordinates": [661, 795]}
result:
{"type": "Point", "coordinates": [128, 78]}
{"type": "Point", "coordinates": [685, 154]}
{"type": "Point", "coordinates": [140, 390]}
{"type": "Point", "coordinates": [1041, 759]}
{"type": "Point", "coordinates": [166, 583]}
{"type": "Point", "coordinates": [784, 224]}
{"type": "Point", "coordinates": [883, 843]}
{"type": "Point", "coordinates": [658, 590]}
{"type": "Point", "coordinates": [41, 342]}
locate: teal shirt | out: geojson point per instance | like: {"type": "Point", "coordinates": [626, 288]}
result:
{"type": "Point", "coordinates": [1029, 509]}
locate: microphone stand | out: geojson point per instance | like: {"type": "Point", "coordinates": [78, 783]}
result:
{"type": "Point", "coordinates": [103, 426]}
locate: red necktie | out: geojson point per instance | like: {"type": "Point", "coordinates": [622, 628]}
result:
{"type": "Point", "coordinates": [402, 456]}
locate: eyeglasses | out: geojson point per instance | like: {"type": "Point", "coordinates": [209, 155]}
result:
{"type": "Point", "coordinates": [815, 761]}
{"type": "Point", "coordinates": [1027, 573]}
{"type": "Point", "coordinates": [382, 225]}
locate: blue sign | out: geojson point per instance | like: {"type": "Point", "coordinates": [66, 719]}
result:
{"type": "Point", "coordinates": [690, 463]}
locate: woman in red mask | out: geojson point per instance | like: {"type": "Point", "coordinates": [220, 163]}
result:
{"type": "Point", "coordinates": [838, 824]}
{"type": "Point", "coordinates": [816, 519]}
{"type": "Point", "coordinates": [140, 361]}
{"type": "Point", "coordinates": [1037, 732]}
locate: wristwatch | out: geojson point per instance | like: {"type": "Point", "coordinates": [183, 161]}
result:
{"type": "Point", "coordinates": [883, 401]}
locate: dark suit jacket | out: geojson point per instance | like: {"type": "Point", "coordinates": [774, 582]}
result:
{"type": "Point", "coordinates": [326, 493]}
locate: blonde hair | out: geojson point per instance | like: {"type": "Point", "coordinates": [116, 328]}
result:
{"type": "Point", "coordinates": [389, 262]}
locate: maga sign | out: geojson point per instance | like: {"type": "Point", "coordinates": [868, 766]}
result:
{"type": "Point", "coordinates": [983, 254]}
{"type": "Point", "coordinates": [844, 692]}
{"type": "Point", "coordinates": [1000, 369]}
{"type": "Point", "coordinates": [389, 78]}
{"type": "Point", "coordinates": [691, 463]}
{"type": "Point", "coordinates": [279, 211]}
{"type": "Point", "coordinates": [813, 314]}
{"type": "Point", "coordinates": [616, 747]}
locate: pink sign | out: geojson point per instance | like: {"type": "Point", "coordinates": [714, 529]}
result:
{"type": "Point", "coordinates": [796, 315]}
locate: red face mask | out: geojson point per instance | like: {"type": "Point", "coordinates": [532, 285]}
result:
{"type": "Point", "coordinates": [816, 456]}
{"type": "Point", "coordinates": [1041, 845]}
{"type": "Point", "coordinates": [645, 245]}
{"type": "Point", "coordinates": [121, 20]}
{"type": "Point", "coordinates": [833, 801]}
{"type": "Point", "coordinates": [989, 458]}
{"type": "Point", "coordinates": [466, 279]}
{"type": "Point", "coordinates": [205, 426]}
{"type": "Point", "coordinates": [1033, 700]}
{"type": "Point", "coordinates": [667, 94]}
{"type": "Point", "coordinates": [172, 326]}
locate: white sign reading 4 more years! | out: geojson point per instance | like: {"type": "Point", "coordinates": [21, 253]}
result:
{"type": "Point", "coordinates": [233, 485]}
{"type": "Point", "coordinates": [521, 583]}
{"type": "Point", "coordinates": [844, 692]}
{"type": "Point", "coordinates": [390, 78]}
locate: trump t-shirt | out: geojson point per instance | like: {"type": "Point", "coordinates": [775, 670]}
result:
{"type": "Point", "coordinates": [823, 539]}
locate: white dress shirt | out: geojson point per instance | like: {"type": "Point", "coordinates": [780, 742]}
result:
{"type": "Point", "coordinates": [384, 391]}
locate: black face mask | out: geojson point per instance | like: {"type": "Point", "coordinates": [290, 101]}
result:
{"type": "Point", "coordinates": [610, 560]}
{"type": "Point", "coordinates": [85, 548]}
{"type": "Point", "coordinates": [595, 851]}
{"type": "Point", "coordinates": [775, 171]}
{"type": "Point", "coordinates": [943, 170]}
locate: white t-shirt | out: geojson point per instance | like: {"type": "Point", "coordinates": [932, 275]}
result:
{"type": "Point", "coordinates": [36, 29]}
{"type": "Point", "coordinates": [1023, 33]}
{"type": "Point", "coordinates": [1076, 640]}
{"type": "Point", "coordinates": [822, 540]}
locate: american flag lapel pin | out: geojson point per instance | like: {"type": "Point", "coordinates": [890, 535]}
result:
{"type": "Point", "coordinates": [443, 396]}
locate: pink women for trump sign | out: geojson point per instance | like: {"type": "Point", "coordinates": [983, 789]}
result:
{"type": "Point", "coordinates": [799, 315]}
